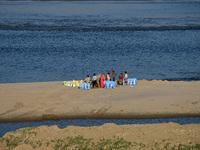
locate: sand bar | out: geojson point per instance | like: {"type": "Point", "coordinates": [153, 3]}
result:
{"type": "Point", "coordinates": [53, 100]}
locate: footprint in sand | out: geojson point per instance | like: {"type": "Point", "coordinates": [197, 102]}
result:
{"type": "Point", "coordinates": [15, 107]}
{"type": "Point", "coordinates": [100, 111]}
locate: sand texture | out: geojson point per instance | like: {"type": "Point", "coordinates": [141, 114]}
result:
{"type": "Point", "coordinates": [109, 136]}
{"type": "Point", "coordinates": [53, 100]}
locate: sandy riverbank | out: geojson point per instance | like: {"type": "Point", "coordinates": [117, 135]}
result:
{"type": "Point", "coordinates": [164, 136]}
{"type": "Point", "coordinates": [53, 100]}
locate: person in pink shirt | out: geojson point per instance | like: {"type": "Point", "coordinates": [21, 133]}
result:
{"type": "Point", "coordinates": [102, 81]}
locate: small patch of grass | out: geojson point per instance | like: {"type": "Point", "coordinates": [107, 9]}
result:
{"type": "Point", "coordinates": [12, 141]}
{"type": "Point", "coordinates": [23, 137]}
{"type": "Point", "coordinates": [177, 147]}
{"type": "Point", "coordinates": [78, 142]}
{"type": "Point", "coordinates": [117, 143]}
{"type": "Point", "coordinates": [82, 143]}
{"type": "Point", "coordinates": [189, 147]}
{"type": "Point", "coordinates": [47, 143]}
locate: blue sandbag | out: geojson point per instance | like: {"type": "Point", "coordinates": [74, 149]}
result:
{"type": "Point", "coordinates": [130, 81]}
{"type": "Point", "coordinates": [84, 86]}
{"type": "Point", "coordinates": [109, 84]}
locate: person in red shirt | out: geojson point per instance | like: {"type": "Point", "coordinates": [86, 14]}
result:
{"type": "Point", "coordinates": [121, 78]}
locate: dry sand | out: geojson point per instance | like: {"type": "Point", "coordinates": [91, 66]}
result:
{"type": "Point", "coordinates": [53, 100]}
{"type": "Point", "coordinates": [148, 99]}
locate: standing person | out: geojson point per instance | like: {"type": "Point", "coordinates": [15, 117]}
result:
{"type": "Point", "coordinates": [102, 81]}
{"type": "Point", "coordinates": [94, 80]}
{"type": "Point", "coordinates": [125, 77]}
{"type": "Point", "coordinates": [108, 74]}
{"type": "Point", "coordinates": [121, 78]}
{"type": "Point", "coordinates": [87, 80]}
{"type": "Point", "coordinates": [114, 75]}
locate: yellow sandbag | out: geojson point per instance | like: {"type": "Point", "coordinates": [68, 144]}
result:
{"type": "Point", "coordinates": [81, 81]}
{"type": "Point", "coordinates": [75, 83]}
{"type": "Point", "coordinates": [65, 83]}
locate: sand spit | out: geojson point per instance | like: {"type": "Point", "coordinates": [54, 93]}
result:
{"type": "Point", "coordinates": [53, 100]}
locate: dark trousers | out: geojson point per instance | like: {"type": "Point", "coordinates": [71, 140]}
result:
{"type": "Point", "coordinates": [94, 83]}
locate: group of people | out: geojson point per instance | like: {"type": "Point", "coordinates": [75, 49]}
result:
{"type": "Point", "coordinates": [121, 78]}
{"type": "Point", "coordinates": [110, 76]}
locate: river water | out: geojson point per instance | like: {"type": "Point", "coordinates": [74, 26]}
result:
{"type": "Point", "coordinates": [58, 40]}
{"type": "Point", "coordinates": [7, 127]}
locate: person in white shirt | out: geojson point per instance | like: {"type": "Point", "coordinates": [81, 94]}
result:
{"type": "Point", "coordinates": [126, 77]}
{"type": "Point", "coordinates": [94, 80]}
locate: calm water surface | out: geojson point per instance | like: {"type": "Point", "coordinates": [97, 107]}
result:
{"type": "Point", "coordinates": [56, 41]}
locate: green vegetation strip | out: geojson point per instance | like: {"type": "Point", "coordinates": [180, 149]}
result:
{"type": "Point", "coordinates": [24, 136]}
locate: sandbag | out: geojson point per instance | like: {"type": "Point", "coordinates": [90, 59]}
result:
{"type": "Point", "coordinates": [130, 81]}
{"type": "Point", "coordinates": [67, 83]}
{"type": "Point", "coordinates": [75, 83]}
{"type": "Point", "coordinates": [110, 84]}
{"type": "Point", "coordinates": [85, 86]}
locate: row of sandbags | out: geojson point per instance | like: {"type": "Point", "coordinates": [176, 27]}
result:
{"type": "Point", "coordinates": [74, 83]}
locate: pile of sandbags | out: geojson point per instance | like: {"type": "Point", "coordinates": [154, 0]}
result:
{"type": "Point", "coordinates": [74, 83]}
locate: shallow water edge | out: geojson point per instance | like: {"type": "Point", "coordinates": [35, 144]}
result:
{"type": "Point", "coordinates": [7, 127]}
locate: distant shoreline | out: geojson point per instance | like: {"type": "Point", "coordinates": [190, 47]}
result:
{"type": "Point", "coordinates": [95, 0]}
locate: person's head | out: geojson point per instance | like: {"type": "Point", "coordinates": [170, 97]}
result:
{"type": "Point", "coordinates": [88, 76]}
{"type": "Point", "coordinates": [113, 71]}
{"type": "Point", "coordinates": [108, 72]}
{"type": "Point", "coordinates": [125, 72]}
{"type": "Point", "coordinates": [121, 73]}
{"type": "Point", "coordinates": [94, 74]}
